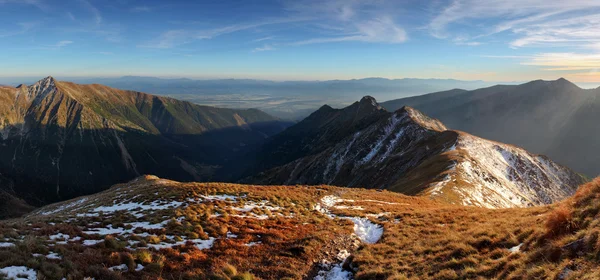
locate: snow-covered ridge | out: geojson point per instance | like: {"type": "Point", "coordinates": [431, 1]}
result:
{"type": "Point", "coordinates": [496, 175]}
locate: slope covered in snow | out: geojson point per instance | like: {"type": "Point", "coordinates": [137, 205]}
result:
{"type": "Point", "coordinates": [408, 152]}
{"type": "Point", "coordinates": [496, 175]}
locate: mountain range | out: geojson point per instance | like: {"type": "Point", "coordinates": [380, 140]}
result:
{"type": "Point", "coordinates": [291, 100]}
{"type": "Point", "coordinates": [364, 145]}
{"type": "Point", "coordinates": [360, 192]}
{"type": "Point", "coordinates": [59, 140]}
{"type": "Point", "coordinates": [555, 118]}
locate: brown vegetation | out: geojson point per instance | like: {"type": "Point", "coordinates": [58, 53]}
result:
{"type": "Point", "coordinates": [422, 239]}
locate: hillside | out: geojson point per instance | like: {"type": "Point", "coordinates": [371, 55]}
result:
{"type": "Point", "coordinates": [292, 100]}
{"type": "Point", "coordinates": [408, 152]}
{"type": "Point", "coordinates": [555, 118]}
{"type": "Point", "coordinates": [59, 140]}
{"type": "Point", "coordinates": [152, 227]}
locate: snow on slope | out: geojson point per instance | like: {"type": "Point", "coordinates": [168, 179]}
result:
{"type": "Point", "coordinates": [496, 175]}
{"type": "Point", "coordinates": [411, 153]}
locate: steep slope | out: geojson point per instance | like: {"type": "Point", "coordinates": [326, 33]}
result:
{"type": "Point", "coordinates": [408, 152]}
{"type": "Point", "coordinates": [323, 128]}
{"type": "Point", "coordinates": [60, 139]}
{"type": "Point", "coordinates": [154, 228]}
{"type": "Point", "coordinates": [555, 118]}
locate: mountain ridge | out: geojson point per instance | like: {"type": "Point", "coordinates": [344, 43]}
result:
{"type": "Point", "coordinates": [545, 117]}
{"type": "Point", "coordinates": [69, 139]}
{"type": "Point", "coordinates": [411, 153]}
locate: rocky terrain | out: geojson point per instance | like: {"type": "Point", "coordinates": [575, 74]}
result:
{"type": "Point", "coordinates": [408, 152]}
{"type": "Point", "coordinates": [59, 140]}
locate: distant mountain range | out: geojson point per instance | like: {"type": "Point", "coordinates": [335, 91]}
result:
{"type": "Point", "coordinates": [59, 140]}
{"type": "Point", "coordinates": [291, 100]}
{"type": "Point", "coordinates": [556, 118]}
{"type": "Point", "coordinates": [364, 145]}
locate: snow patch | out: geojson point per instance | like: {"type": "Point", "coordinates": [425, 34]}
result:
{"type": "Point", "coordinates": [19, 272]}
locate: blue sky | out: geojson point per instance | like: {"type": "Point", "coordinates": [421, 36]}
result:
{"type": "Point", "coordinates": [492, 40]}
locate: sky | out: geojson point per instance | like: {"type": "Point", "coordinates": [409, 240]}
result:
{"type": "Point", "coordinates": [490, 40]}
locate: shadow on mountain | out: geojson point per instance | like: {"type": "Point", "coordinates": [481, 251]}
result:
{"type": "Point", "coordinates": [51, 163]}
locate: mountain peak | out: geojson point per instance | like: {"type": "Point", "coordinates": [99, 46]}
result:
{"type": "Point", "coordinates": [422, 119]}
{"type": "Point", "coordinates": [565, 82]}
{"type": "Point", "coordinates": [369, 100]}
{"type": "Point", "coordinates": [48, 79]}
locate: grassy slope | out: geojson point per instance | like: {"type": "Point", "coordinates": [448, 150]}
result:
{"type": "Point", "coordinates": [422, 239]}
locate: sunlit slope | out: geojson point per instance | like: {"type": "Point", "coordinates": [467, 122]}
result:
{"type": "Point", "coordinates": [60, 139]}
{"type": "Point", "coordinates": [152, 227]}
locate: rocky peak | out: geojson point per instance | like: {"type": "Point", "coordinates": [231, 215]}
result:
{"type": "Point", "coordinates": [369, 100]}
{"type": "Point", "coordinates": [41, 88]}
{"type": "Point", "coordinates": [421, 119]}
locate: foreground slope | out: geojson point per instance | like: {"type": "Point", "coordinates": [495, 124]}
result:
{"type": "Point", "coordinates": [60, 139]}
{"type": "Point", "coordinates": [151, 228]}
{"type": "Point", "coordinates": [408, 152]}
{"type": "Point", "coordinates": [555, 118]}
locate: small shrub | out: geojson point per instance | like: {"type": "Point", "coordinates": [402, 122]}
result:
{"type": "Point", "coordinates": [243, 276]}
{"type": "Point", "coordinates": [144, 256]}
{"type": "Point", "coordinates": [229, 270]}
{"type": "Point", "coordinates": [560, 222]}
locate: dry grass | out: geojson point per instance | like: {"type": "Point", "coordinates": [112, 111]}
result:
{"type": "Point", "coordinates": [422, 239]}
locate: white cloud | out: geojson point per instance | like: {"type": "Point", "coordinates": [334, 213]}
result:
{"type": "Point", "coordinates": [173, 38]}
{"type": "Point", "coordinates": [264, 48]}
{"type": "Point", "coordinates": [93, 10]}
{"type": "Point", "coordinates": [337, 21]}
{"type": "Point", "coordinates": [564, 61]}
{"type": "Point", "coordinates": [37, 3]}
{"type": "Point", "coordinates": [379, 30]}
{"type": "Point", "coordinates": [264, 39]}
{"type": "Point", "coordinates": [139, 9]}
{"type": "Point", "coordinates": [534, 22]}
{"type": "Point", "coordinates": [24, 27]}
{"type": "Point", "coordinates": [63, 44]}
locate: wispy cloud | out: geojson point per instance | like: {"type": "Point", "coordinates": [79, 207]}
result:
{"type": "Point", "coordinates": [23, 27]}
{"type": "Point", "coordinates": [93, 10]}
{"type": "Point", "coordinates": [173, 38]}
{"type": "Point", "coordinates": [71, 16]}
{"type": "Point", "coordinates": [338, 20]}
{"type": "Point", "coordinates": [264, 39]}
{"type": "Point", "coordinates": [564, 61]}
{"type": "Point", "coordinates": [57, 45]}
{"type": "Point", "coordinates": [264, 48]}
{"type": "Point", "coordinates": [37, 3]}
{"type": "Point", "coordinates": [534, 22]}
{"type": "Point", "coordinates": [351, 20]}
{"type": "Point", "coordinates": [63, 44]}
{"type": "Point", "coordinates": [141, 9]}
{"type": "Point", "coordinates": [380, 30]}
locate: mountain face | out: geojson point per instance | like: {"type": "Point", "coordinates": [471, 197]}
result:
{"type": "Point", "coordinates": [408, 152]}
{"type": "Point", "coordinates": [59, 140]}
{"type": "Point", "coordinates": [323, 128]}
{"type": "Point", "coordinates": [555, 118]}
